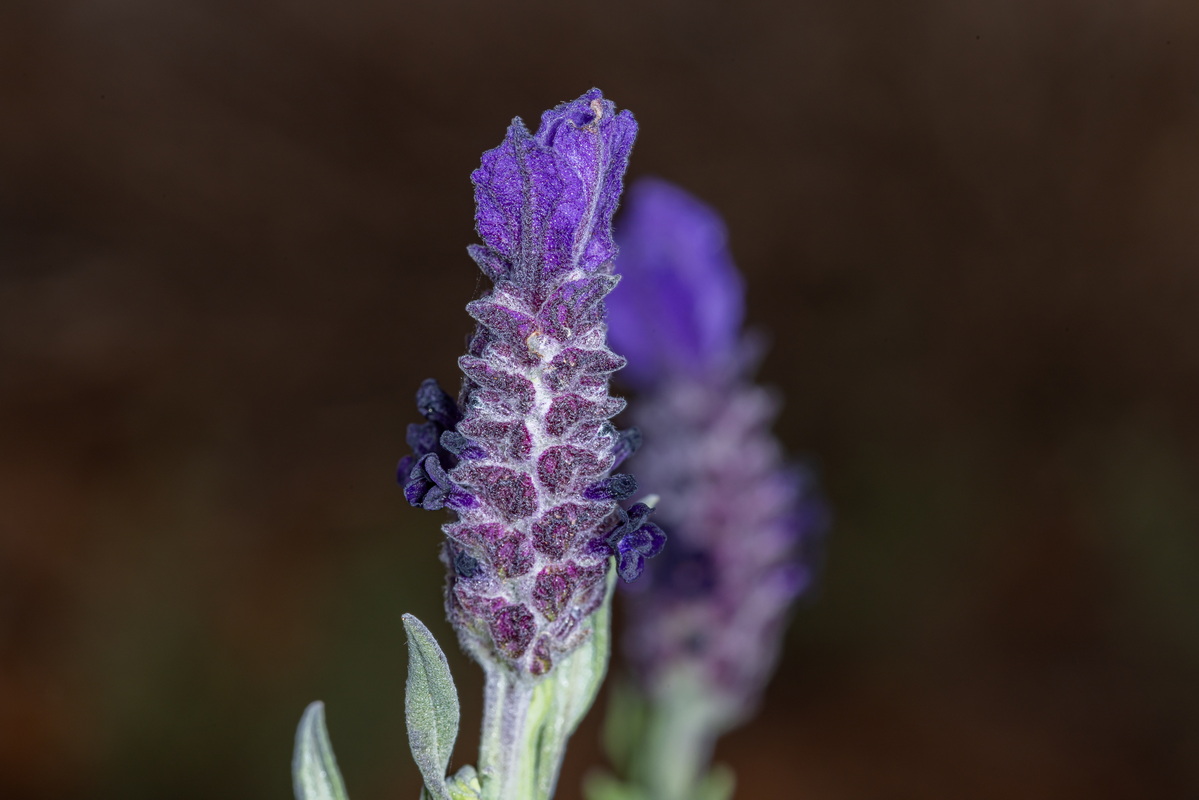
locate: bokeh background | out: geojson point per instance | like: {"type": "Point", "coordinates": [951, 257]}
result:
{"type": "Point", "coordinates": [232, 243]}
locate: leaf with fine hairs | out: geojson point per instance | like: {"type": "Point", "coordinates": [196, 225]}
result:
{"type": "Point", "coordinates": [314, 768]}
{"type": "Point", "coordinates": [431, 707]}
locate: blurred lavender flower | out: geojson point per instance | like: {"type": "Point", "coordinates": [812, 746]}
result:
{"type": "Point", "coordinates": [704, 626]}
{"type": "Point", "coordinates": [680, 305]}
{"type": "Point", "coordinates": [524, 459]}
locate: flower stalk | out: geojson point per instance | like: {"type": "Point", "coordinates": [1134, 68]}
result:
{"type": "Point", "coordinates": [527, 722]}
{"type": "Point", "coordinates": [504, 770]}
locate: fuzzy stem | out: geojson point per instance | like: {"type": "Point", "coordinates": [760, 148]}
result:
{"type": "Point", "coordinates": [527, 721]}
{"type": "Point", "coordinates": [504, 770]}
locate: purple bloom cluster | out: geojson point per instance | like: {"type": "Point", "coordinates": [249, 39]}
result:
{"type": "Point", "coordinates": [524, 459]}
{"type": "Point", "coordinates": [746, 526]}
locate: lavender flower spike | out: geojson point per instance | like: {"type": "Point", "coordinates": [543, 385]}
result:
{"type": "Point", "coordinates": [524, 458]}
{"type": "Point", "coordinates": [705, 623]}
{"type": "Point", "coordinates": [525, 461]}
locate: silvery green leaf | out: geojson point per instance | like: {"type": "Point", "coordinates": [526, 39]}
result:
{"type": "Point", "coordinates": [431, 707]}
{"type": "Point", "coordinates": [314, 768]}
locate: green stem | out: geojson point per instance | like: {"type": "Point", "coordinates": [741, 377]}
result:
{"type": "Point", "coordinates": [504, 770]}
{"type": "Point", "coordinates": [528, 721]}
{"type": "Point", "coordinates": [678, 740]}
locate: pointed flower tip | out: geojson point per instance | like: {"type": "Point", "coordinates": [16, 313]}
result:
{"type": "Point", "coordinates": [544, 202]}
{"type": "Point", "coordinates": [590, 112]}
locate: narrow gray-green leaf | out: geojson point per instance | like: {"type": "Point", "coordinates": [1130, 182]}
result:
{"type": "Point", "coordinates": [314, 768]}
{"type": "Point", "coordinates": [431, 707]}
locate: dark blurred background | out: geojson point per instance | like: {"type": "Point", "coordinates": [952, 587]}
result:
{"type": "Point", "coordinates": [232, 243]}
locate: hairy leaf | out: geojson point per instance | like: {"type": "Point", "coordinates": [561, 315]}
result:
{"type": "Point", "coordinates": [431, 707]}
{"type": "Point", "coordinates": [314, 768]}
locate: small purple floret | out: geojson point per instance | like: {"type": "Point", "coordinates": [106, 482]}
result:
{"type": "Point", "coordinates": [422, 473]}
{"type": "Point", "coordinates": [633, 540]}
{"type": "Point", "coordinates": [614, 487]}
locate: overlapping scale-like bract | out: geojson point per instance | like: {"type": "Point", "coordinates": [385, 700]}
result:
{"type": "Point", "coordinates": [525, 458]}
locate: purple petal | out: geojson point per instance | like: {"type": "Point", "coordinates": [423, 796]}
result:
{"type": "Point", "coordinates": [431, 464]}
{"type": "Point", "coordinates": [630, 565]}
{"type": "Point", "coordinates": [462, 447]}
{"type": "Point", "coordinates": [626, 445]}
{"type": "Point", "coordinates": [437, 406]}
{"type": "Point", "coordinates": [415, 490]}
{"type": "Point", "coordinates": [655, 539]}
{"type": "Point", "coordinates": [638, 513]}
{"type": "Point", "coordinates": [434, 499]}
{"type": "Point", "coordinates": [614, 487]}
